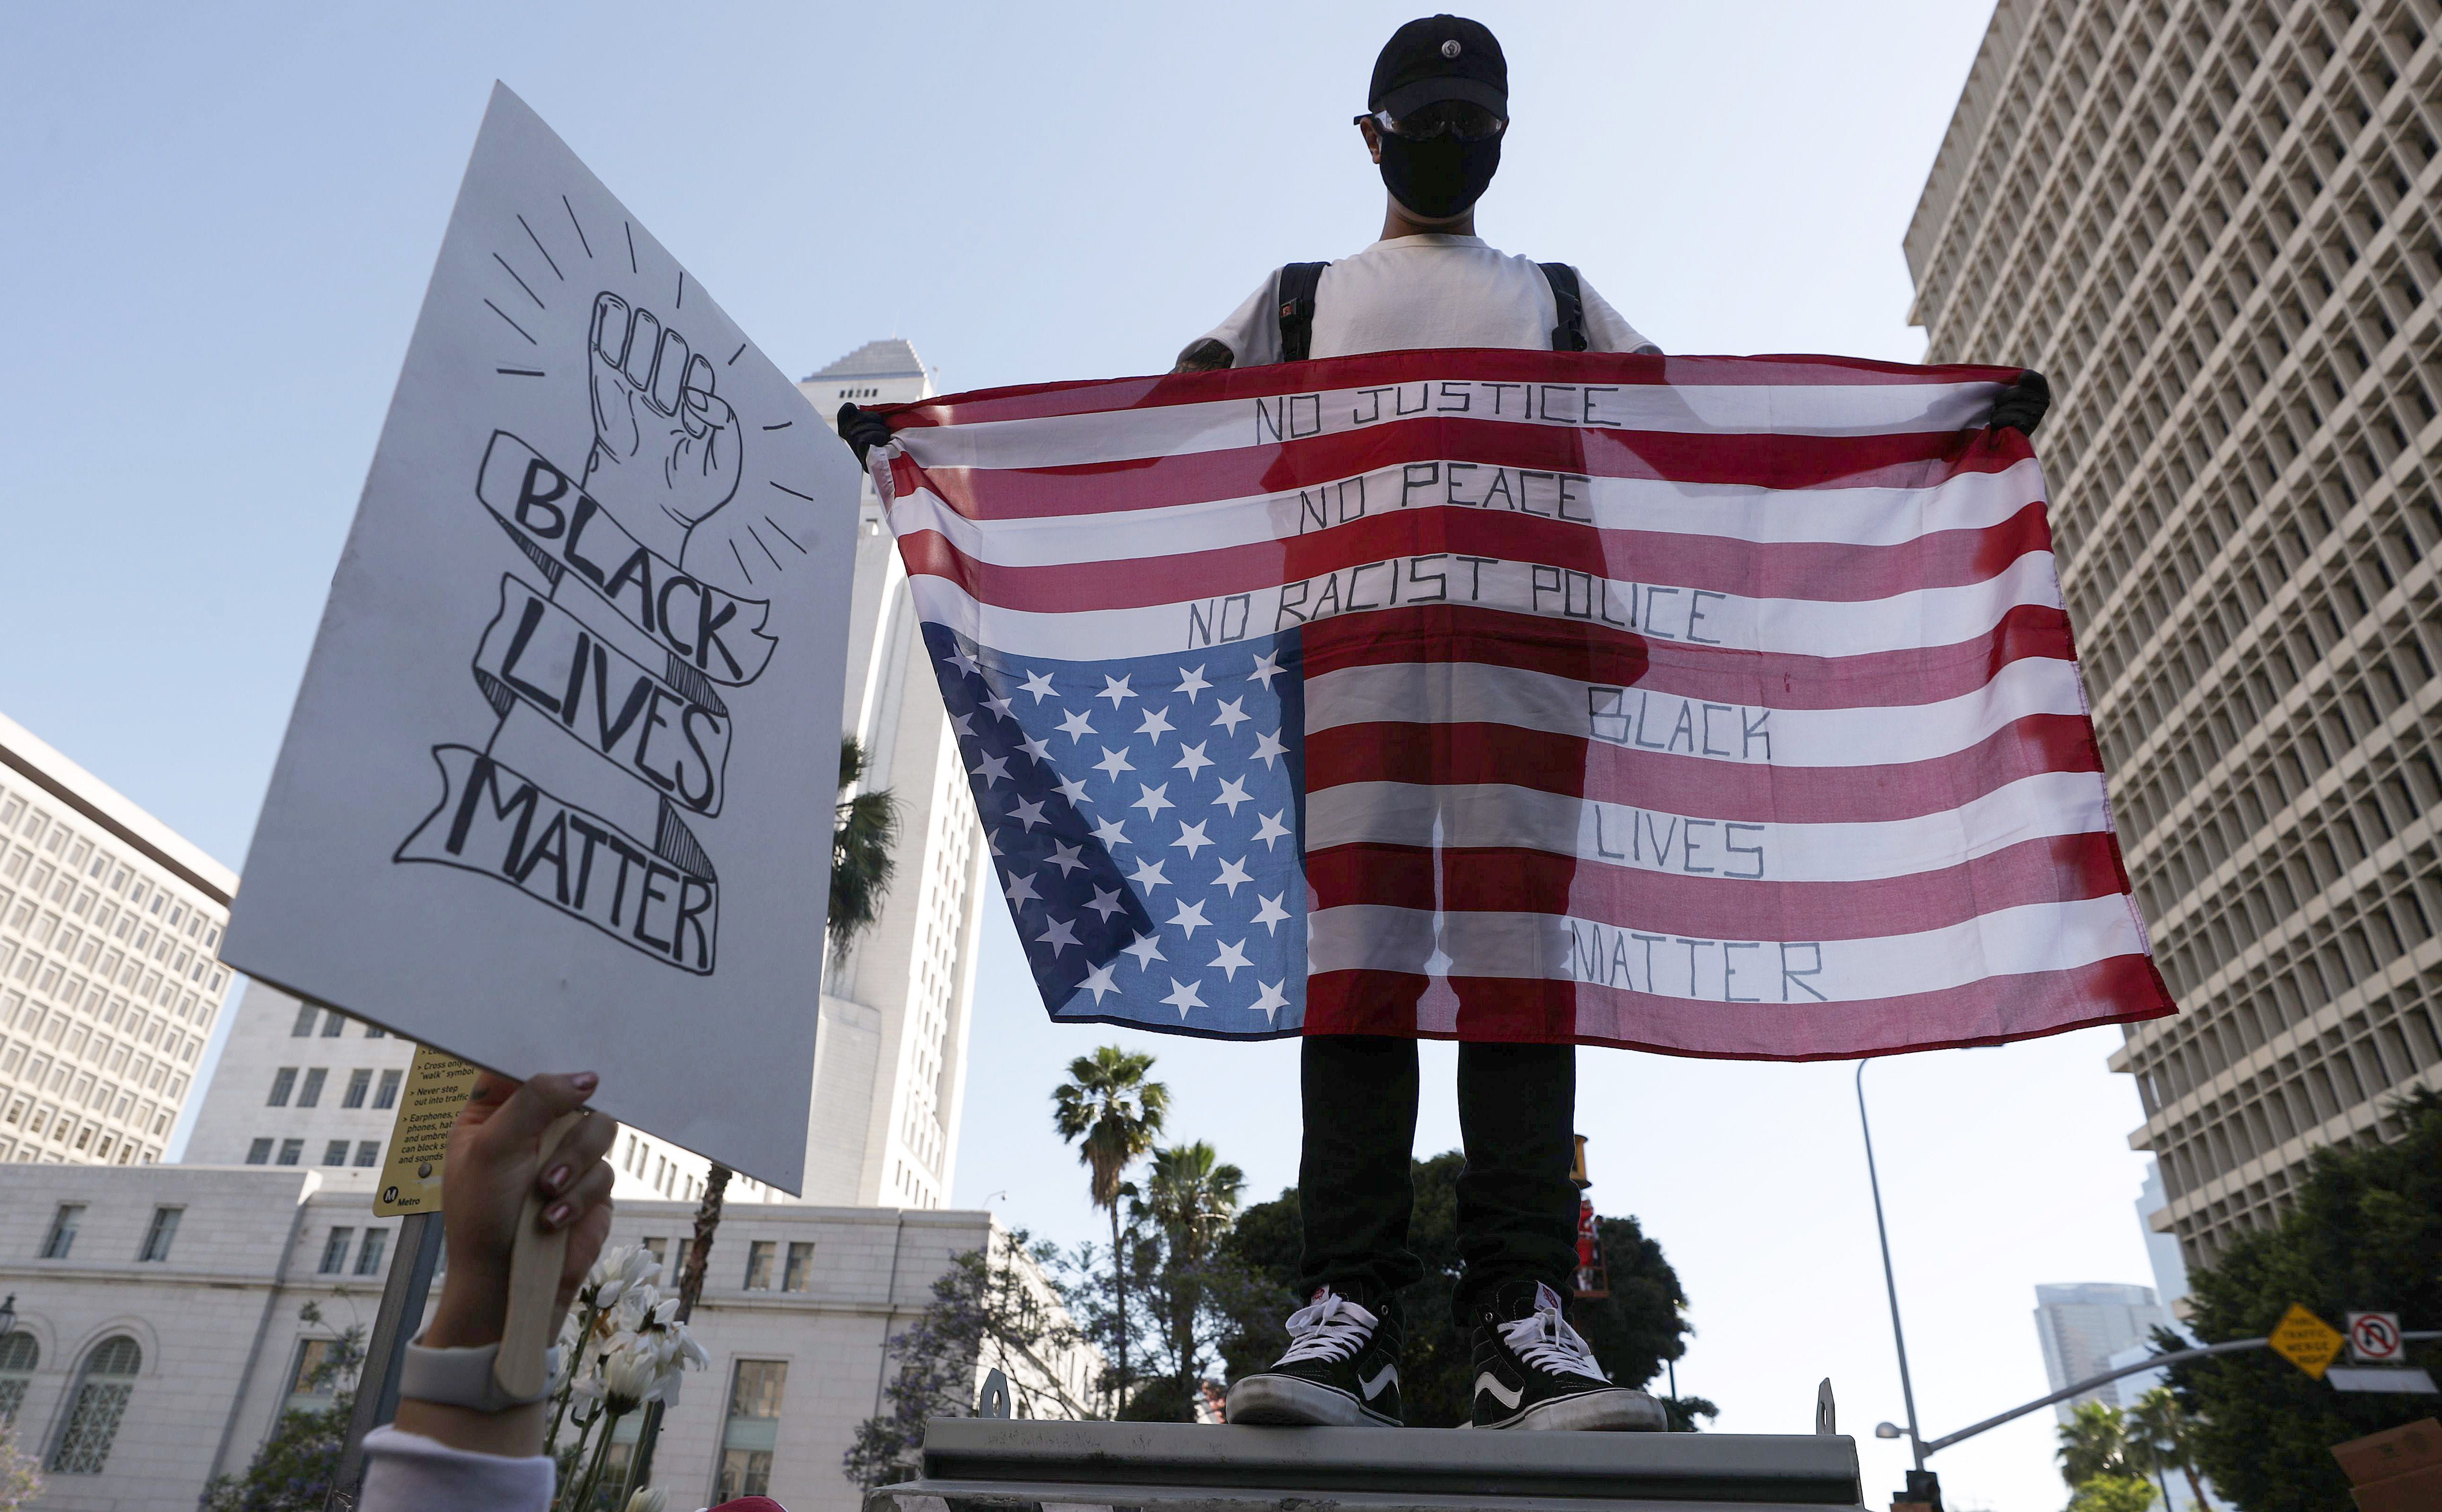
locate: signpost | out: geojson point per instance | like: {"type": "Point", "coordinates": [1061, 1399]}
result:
{"type": "Point", "coordinates": [2306, 1340]}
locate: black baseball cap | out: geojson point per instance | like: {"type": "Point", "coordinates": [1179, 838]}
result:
{"type": "Point", "coordinates": [1440, 58]}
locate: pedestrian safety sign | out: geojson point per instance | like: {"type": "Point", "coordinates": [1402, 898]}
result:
{"type": "Point", "coordinates": [2306, 1340]}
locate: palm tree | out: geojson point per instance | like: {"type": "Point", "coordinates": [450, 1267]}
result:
{"type": "Point", "coordinates": [1192, 1194]}
{"type": "Point", "coordinates": [2093, 1442]}
{"type": "Point", "coordinates": [863, 827]}
{"type": "Point", "coordinates": [1112, 1113]}
{"type": "Point", "coordinates": [2159, 1426]}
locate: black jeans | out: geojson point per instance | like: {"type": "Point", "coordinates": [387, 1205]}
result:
{"type": "Point", "coordinates": [1517, 1208]}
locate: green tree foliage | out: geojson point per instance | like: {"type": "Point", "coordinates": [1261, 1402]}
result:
{"type": "Point", "coordinates": [1189, 1198]}
{"type": "Point", "coordinates": [2113, 1493]}
{"type": "Point", "coordinates": [2366, 1233]}
{"type": "Point", "coordinates": [2160, 1434]}
{"type": "Point", "coordinates": [982, 1317]}
{"type": "Point", "coordinates": [865, 827]}
{"type": "Point", "coordinates": [1113, 1115]}
{"type": "Point", "coordinates": [21, 1481]}
{"type": "Point", "coordinates": [292, 1471]}
{"type": "Point", "coordinates": [1634, 1331]}
{"type": "Point", "coordinates": [2094, 1444]}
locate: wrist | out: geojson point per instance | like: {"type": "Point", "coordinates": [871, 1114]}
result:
{"type": "Point", "coordinates": [469, 1314]}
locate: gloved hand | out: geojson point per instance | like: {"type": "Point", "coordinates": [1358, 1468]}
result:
{"type": "Point", "coordinates": [2022, 404]}
{"type": "Point", "coordinates": [862, 430]}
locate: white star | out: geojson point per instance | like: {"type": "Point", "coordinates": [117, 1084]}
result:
{"type": "Point", "coordinates": [1072, 789]}
{"type": "Point", "coordinates": [1156, 724]}
{"type": "Point", "coordinates": [1036, 747]}
{"type": "Point", "coordinates": [1233, 873]}
{"type": "Point", "coordinates": [1271, 830]}
{"type": "Point", "coordinates": [1271, 1002]}
{"type": "Point", "coordinates": [1038, 684]}
{"type": "Point", "coordinates": [1114, 762]}
{"type": "Point", "coordinates": [1192, 836]}
{"type": "Point", "coordinates": [1075, 724]}
{"type": "Point", "coordinates": [1190, 918]}
{"type": "Point", "coordinates": [1192, 757]}
{"type": "Point", "coordinates": [1110, 833]}
{"type": "Point", "coordinates": [1106, 902]}
{"type": "Point", "coordinates": [1061, 934]}
{"type": "Point", "coordinates": [960, 659]}
{"type": "Point", "coordinates": [1115, 688]}
{"type": "Point", "coordinates": [1183, 997]}
{"type": "Point", "coordinates": [1233, 793]}
{"type": "Point", "coordinates": [1268, 746]}
{"type": "Point", "coordinates": [1028, 814]}
{"type": "Point", "coordinates": [1098, 981]}
{"type": "Point", "coordinates": [1271, 915]}
{"type": "Point", "coordinates": [1151, 799]}
{"type": "Point", "coordinates": [994, 769]}
{"type": "Point", "coordinates": [1230, 958]}
{"type": "Point", "coordinates": [1232, 712]}
{"type": "Point", "coordinates": [966, 724]}
{"type": "Point", "coordinates": [1065, 857]}
{"type": "Point", "coordinates": [992, 842]}
{"type": "Point", "coordinates": [1147, 950]}
{"type": "Point", "coordinates": [1019, 891]}
{"type": "Point", "coordinates": [998, 703]}
{"type": "Point", "coordinates": [1148, 873]}
{"type": "Point", "coordinates": [1267, 666]}
{"type": "Point", "coordinates": [1192, 684]}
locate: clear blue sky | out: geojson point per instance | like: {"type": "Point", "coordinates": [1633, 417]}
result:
{"type": "Point", "coordinates": [220, 223]}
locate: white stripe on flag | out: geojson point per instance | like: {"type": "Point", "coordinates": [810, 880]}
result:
{"type": "Point", "coordinates": [1490, 814]}
{"type": "Point", "coordinates": [1547, 947]}
{"type": "Point", "coordinates": [1846, 516]}
{"type": "Point", "coordinates": [1178, 429]}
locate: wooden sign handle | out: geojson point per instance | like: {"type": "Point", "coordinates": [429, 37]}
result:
{"type": "Point", "coordinates": [534, 1286]}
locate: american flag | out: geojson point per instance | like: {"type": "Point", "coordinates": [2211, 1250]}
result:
{"type": "Point", "coordinates": [1718, 706]}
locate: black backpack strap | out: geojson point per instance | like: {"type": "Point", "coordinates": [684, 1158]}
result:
{"type": "Point", "coordinates": [1298, 282]}
{"type": "Point", "coordinates": [1569, 334]}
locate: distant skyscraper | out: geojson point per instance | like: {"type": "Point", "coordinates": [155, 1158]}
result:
{"type": "Point", "coordinates": [890, 1054]}
{"type": "Point", "coordinates": [109, 922]}
{"type": "Point", "coordinates": [2216, 228]}
{"type": "Point", "coordinates": [2082, 1326]}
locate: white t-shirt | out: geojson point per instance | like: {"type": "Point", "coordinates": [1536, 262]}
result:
{"type": "Point", "coordinates": [1416, 292]}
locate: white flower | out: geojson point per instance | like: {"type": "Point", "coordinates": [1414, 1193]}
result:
{"type": "Point", "coordinates": [621, 1268]}
{"type": "Point", "coordinates": [648, 1499]}
{"type": "Point", "coordinates": [631, 1376]}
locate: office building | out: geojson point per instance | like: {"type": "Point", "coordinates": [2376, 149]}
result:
{"type": "Point", "coordinates": [2214, 227]}
{"type": "Point", "coordinates": [109, 922]}
{"type": "Point", "coordinates": [2082, 1326]}
{"type": "Point", "coordinates": [890, 1055]}
{"type": "Point", "coordinates": [159, 1331]}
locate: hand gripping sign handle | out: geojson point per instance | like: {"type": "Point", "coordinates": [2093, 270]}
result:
{"type": "Point", "coordinates": [534, 1286]}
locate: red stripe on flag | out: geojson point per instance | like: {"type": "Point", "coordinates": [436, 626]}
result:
{"type": "Point", "coordinates": [1037, 401]}
{"type": "Point", "coordinates": [1822, 571]}
{"type": "Point", "coordinates": [2121, 989]}
{"type": "Point", "coordinates": [2050, 869]}
{"type": "Point", "coordinates": [1429, 755]}
{"type": "Point", "coordinates": [1913, 459]}
{"type": "Point", "coordinates": [1586, 652]}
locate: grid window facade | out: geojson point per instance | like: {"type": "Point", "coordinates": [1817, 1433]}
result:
{"type": "Point", "coordinates": [109, 981]}
{"type": "Point", "coordinates": [2217, 225]}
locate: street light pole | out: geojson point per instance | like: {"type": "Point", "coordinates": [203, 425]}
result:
{"type": "Point", "coordinates": [1890, 1283]}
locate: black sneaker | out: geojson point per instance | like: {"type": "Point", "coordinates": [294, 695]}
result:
{"type": "Point", "coordinates": [1342, 1369]}
{"type": "Point", "coordinates": [1533, 1371]}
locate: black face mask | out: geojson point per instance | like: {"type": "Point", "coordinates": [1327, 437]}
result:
{"type": "Point", "coordinates": [1440, 176]}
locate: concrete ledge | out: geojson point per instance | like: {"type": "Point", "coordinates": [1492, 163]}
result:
{"type": "Point", "coordinates": [1000, 1464]}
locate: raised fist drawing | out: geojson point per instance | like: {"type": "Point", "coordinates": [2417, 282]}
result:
{"type": "Point", "coordinates": [665, 448]}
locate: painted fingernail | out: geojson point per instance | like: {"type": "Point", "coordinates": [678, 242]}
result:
{"type": "Point", "coordinates": [555, 1178]}
{"type": "Point", "coordinates": [585, 1081]}
{"type": "Point", "coordinates": [556, 1214]}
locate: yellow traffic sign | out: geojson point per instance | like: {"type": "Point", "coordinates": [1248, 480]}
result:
{"type": "Point", "coordinates": [2306, 1340]}
{"type": "Point", "coordinates": [438, 1087]}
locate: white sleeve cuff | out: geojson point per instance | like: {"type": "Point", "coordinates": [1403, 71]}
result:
{"type": "Point", "coordinates": [407, 1472]}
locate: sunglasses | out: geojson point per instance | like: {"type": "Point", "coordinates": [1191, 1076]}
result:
{"type": "Point", "coordinates": [1468, 124]}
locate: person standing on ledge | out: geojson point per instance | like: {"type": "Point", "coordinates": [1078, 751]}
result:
{"type": "Point", "coordinates": [1437, 109]}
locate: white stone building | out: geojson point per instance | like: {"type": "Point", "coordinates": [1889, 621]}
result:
{"type": "Point", "coordinates": [159, 1333]}
{"type": "Point", "coordinates": [890, 1057]}
{"type": "Point", "coordinates": [109, 922]}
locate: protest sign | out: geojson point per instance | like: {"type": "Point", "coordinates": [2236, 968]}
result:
{"type": "Point", "coordinates": [558, 790]}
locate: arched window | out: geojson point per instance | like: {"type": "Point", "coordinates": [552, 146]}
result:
{"type": "Point", "coordinates": [100, 1401]}
{"type": "Point", "coordinates": [19, 1355]}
